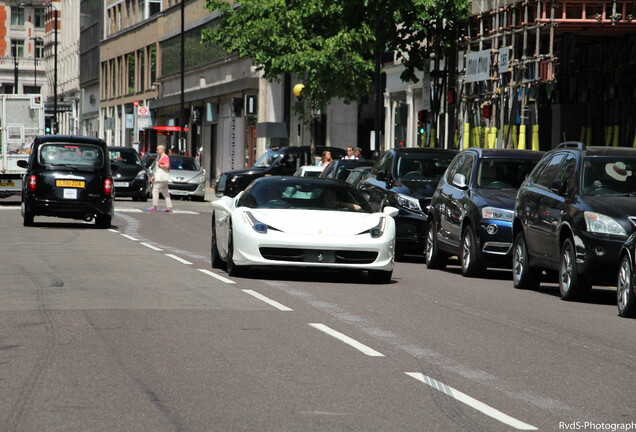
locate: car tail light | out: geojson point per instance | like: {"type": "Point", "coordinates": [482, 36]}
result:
{"type": "Point", "coordinates": [108, 186]}
{"type": "Point", "coordinates": [33, 183]}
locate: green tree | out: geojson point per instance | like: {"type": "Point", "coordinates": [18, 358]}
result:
{"type": "Point", "coordinates": [331, 44]}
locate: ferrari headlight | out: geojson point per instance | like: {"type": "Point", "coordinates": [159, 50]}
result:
{"type": "Point", "coordinates": [408, 202]}
{"type": "Point", "coordinates": [378, 230]}
{"type": "Point", "coordinates": [258, 226]}
{"type": "Point", "coordinates": [601, 224]}
{"type": "Point", "coordinates": [497, 214]}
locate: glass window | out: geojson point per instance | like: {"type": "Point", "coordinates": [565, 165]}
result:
{"type": "Point", "coordinates": [384, 164]}
{"type": "Point", "coordinates": [422, 166]}
{"type": "Point", "coordinates": [39, 48]}
{"type": "Point", "coordinates": [549, 171]}
{"type": "Point", "coordinates": [39, 17]}
{"type": "Point", "coordinates": [17, 16]}
{"type": "Point", "coordinates": [131, 73]}
{"type": "Point", "coordinates": [80, 155]}
{"type": "Point", "coordinates": [184, 164]}
{"type": "Point", "coordinates": [303, 193]}
{"type": "Point", "coordinates": [124, 157]}
{"type": "Point", "coordinates": [503, 173]}
{"type": "Point", "coordinates": [17, 48]}
{"type": "Point", "coordinates": [609, 176]}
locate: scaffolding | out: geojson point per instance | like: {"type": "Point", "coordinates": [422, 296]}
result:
{"type": "Point", "coordinates": [534, 73]}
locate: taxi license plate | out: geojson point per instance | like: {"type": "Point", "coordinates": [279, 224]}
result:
{"type": "Point", "coordinates": [121, 184]}
{"type": "Point", "coordinates": [69, 183]}
{"type": "Point", "coordinates": [9, 183]}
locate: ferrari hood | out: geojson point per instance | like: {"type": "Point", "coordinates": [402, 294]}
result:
{"type": "Point", "coordinates": [325, 222]}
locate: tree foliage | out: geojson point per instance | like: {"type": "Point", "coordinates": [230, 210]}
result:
{"type": "Point", "coordinates": [330, 44]}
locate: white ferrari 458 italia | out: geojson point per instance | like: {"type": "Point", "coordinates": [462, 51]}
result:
{"type": "Point", "coordinates": [302, 222]}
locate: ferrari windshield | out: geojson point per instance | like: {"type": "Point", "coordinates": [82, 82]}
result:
{"type": "Point", "coordinates": [303, 193]}
{"type": "Point", "coordinates": [268, 158]}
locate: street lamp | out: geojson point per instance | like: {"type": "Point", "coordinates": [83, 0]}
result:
{"type": "Point", "coordinates": [49, 7]}
{"type": "Point", "coordinates": [35, 40]}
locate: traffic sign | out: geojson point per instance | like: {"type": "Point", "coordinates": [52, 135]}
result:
{"type": "Point", "coordinates": [136, 103]}
{"type": "Point", "coordinates": [143, 111]}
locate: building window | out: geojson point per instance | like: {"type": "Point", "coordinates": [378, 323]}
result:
{"type": "Point", "coordinates": [17, 48]}
{"type": "Point", "coordinates": [153, 64]}
{"type": "Point", "coordinates": [17, 16]}
{"type": "Point", "coordinates": [39, 49]}
{"type": "Point", "coordinates": [131, 73]}
{"type": "Point", "coordinates": [141, 60]}
{"type": "Point", "coordinates": [153, 7]}
{"type": "Point", "coordinates": [39, 17]}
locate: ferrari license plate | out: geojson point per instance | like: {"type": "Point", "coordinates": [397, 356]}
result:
{"type": "Point", "coordinates": [7, 183]}
{"type": "Point", "coordinates": [70, 183]}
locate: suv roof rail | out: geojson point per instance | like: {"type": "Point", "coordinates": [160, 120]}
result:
{"type": "Point", "coordinates": [572, 144]}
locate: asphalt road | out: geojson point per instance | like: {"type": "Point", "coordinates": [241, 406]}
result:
{"type": "Point", "coordinates": [129, 329]}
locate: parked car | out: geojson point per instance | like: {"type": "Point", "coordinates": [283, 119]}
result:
{"type": "Point", "coordinates": [187, 178]}
{"type": "Point", "coordinates": [131, 178]}
{"type": "Point", "coordinates": [358, 174]}
{"type": "Point", "coordinates": [68, 177]}
{"type": "Point", "coordinates": [339, 169]}
{"type": "Point", "coordinates": [572, 215]}
{"type": "Point", "coordinates": [625, 295]}
{"type": "Point", "coordinates": [472, 209]}
{"type": "Point", "coordinates": [406, 178]}
{"type": "Point", "coordinates": [309, 171]}
{"type": "Point", "coordinates": [274, 162]}
{"type": "Point", "coordinates": [302, 222]}
{"type": "Point", "coordinates": [147, 159]}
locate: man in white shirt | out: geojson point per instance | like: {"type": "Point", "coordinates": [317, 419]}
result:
{"type": "Point", "coordinates": [350, 154]}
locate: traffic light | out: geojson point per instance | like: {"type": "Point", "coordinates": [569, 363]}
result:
{"type": "Point", "coordinates": [48, 125]}
{"type": "Point", "coordinates": [420, 121]}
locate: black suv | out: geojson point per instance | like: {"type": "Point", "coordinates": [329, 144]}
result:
{"type": "Point", "coordinates": [281, 161]}
{"type": "Point", "coordinates": [572, 216]}
{"type": "Point", "coordinates": [405, 178]}
{"type": "Point", "coordinates": [68, 177]}
{"type": "Point", "coordinates": [131, 179]}
{"type": "Point", "coordinates": [471, 212]}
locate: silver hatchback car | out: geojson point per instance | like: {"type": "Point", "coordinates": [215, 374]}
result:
{"type": "Point", "coordinates": [187, 178]}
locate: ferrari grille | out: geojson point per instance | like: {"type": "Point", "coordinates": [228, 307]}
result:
{"type": "Point", "coordinates": [318, 256]}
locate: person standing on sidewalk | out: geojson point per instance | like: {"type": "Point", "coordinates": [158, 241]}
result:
{"type": "Point", "coordinates": [160, 180]}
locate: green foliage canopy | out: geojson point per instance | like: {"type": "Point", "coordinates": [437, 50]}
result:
{"type": "Point", "coordinates": [330, 44]}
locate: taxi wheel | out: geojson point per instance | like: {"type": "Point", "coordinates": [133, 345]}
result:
{"type": "Point", "coordinates": [103, 221]}
{"type": "Point", "coordinates": [28, 219]}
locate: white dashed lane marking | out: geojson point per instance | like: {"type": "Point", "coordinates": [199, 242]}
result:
{"type": "Point", "coordinates": [471, 402]}
{"type": "Point", "coordinates": [346, 339]}
{"type": "Point", "coordinates": [267, 300]}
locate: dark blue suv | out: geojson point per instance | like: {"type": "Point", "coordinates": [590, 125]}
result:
{"type": "Point", "coordinates": [471, 212]}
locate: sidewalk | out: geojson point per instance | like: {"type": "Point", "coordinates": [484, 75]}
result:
{"type": "Point", "coordinates": [210, 195]}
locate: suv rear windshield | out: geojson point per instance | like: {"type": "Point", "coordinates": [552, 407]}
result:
{"type": "Point", "coordinates": [609, 176]}
{"type": "Point", "coordinates": [78, 155]}
{"type": "Point", "coordinates": [504, 173]}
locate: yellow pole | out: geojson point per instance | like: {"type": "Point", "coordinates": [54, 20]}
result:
{"type": "Point", "coordinates": [607, 135]}
{"type": "Point", "coordinates": [617, 135]}
{"type": "Point", "coordinates": [433, 137]}
{"type": "Point", "coordinates": [535, 137]}
{"type": "Point", "coordinates": [466, 135]}
{"type": "Point", "coordinates": [505, 134]}
{"type": "Point", "coordinates": [515, 137]}
{"type": "Point", "coordinates": [522, 137]}
{"type": "Point", "coordinates": [493, 137]}
{"type": "Point", "coordinates": [588, 140]}
{"type": "Point", "coordinates": [583, 133]}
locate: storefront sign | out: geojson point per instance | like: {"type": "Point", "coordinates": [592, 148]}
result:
{"type": "Point", "coordinates": [504, 59]}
